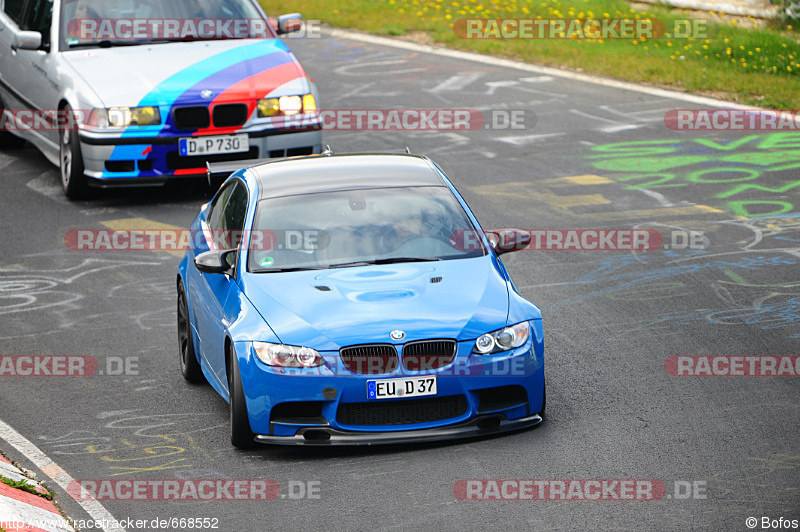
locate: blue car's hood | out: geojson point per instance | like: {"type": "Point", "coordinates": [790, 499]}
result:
{"type": "Point", "coordinates": [364, 304]}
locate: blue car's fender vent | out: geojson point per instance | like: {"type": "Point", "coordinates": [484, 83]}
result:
{"type": "Point", "coordinates": [323, 288]}
{"type": "Point", "coordinates": [403, 412]}
{"type": "Point", "coordinates": [435, 280]}
{"type": "Point", "coordinates": [428, 354]}
{"type": "Point", "coordinates": [372, 359]}
{"type": "Point", "coordinates": [298, 413]}
{"type": "Point", "coordinates": [501, 398]}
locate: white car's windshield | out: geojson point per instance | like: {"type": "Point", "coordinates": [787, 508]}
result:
{"type": "Point", "coordinates": [128, 22]}
{"type": "Point", "coordinates": [365, 226]}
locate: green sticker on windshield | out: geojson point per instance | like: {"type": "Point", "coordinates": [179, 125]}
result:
{"type": "Point", "coordinates": [73, 40]}
{"type": "Point", "coordinates": [266, 261]}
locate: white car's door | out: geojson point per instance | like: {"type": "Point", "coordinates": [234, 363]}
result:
{"type": "Point", "coordinates": [34, 70]}
{"type": "Point", "coordinates": [10, 21]}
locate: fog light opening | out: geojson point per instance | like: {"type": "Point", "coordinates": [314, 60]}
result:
{"type": "Point", "coordinates": [320, 436]}
{"type": "Point", "coordinates": [490, 423]}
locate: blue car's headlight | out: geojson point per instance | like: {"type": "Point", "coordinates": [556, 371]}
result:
{"type": "Point", "coordinates": [502, 340]}
{"type": "Point", "coordinates": [287, 356]}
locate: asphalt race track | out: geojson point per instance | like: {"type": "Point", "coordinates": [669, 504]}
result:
{"type": "Point", "coordinates": [590, 156]}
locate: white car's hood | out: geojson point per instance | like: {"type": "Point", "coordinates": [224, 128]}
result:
{"type": "Point", "coordinates": [163, 74]}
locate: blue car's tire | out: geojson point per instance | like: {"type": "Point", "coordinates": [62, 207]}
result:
{"type": "Point", "coordinates": [242, 436]}
{"type": "Point", "coordinates": [190, 368]}
{"type": "Point", "coordinates": [544, 400]}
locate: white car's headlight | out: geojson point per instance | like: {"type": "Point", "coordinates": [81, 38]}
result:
{"type": "Point", "coordinates": [502, 340]}
{"type": "Point", "coordinates": [287, 356]}
{"type": "Point", "coordinates": [124, 117]}
{"type": "Point", "coordinates": [134, 116]}
{"type": "Point", "coordinates": [286, 105]}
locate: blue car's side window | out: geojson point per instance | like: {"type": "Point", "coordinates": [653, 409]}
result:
{"type": "Point", "coordinates": [226, 220]}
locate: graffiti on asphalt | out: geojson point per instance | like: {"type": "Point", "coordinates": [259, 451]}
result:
{"type": "Point", "coordinates": [744, 175]}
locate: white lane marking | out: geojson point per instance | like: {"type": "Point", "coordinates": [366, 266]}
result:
{"type": "Point", "coordinates": [457, 82]}
{"type": "Point", "coordinates": [662, 199]}
{"type": "Point", "coordinates": [527, 139]}
{"type": "Point", "coordinates": [95, 510]}
{"type": "Point", "coordinates": [537, 79]}
{"type": "Point", "coordinates": [624, 127]}
{"type": "Point", "coordinates": [555, 72]}
{"type": "Point", "coordinates": [46, 185]}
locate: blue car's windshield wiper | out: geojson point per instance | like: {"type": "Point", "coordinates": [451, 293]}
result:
{"type": "Point", "coordinates": [292, 269]}
{"type": "Point", "coordinates": [105, 44]}
{"type": "Point", "coordinates": [386, 260]}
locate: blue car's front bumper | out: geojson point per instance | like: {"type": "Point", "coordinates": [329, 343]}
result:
{"type": "Point", "coordinates": [476, 395]}
{"type": "Point", "coordinates": [482, 425]}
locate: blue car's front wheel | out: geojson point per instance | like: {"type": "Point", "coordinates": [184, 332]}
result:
{"type": "Point", "coordinates": [242, 436]}
{"type": "Point", "coordinates": [544, 400]}
{"type": "Point", "coordinates": [190, 368]}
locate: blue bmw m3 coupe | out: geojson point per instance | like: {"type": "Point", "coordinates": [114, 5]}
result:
{"type": "Point", "coordinates": [355, 299]}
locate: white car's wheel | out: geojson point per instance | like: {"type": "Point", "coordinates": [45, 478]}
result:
{"type": "Point", "coordinates": [73, 180]}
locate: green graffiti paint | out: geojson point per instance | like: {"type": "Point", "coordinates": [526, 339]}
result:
{"type": "Point", "coordinates": [747, 208]}
{"type": "Point", "coordinates": [722, 169]}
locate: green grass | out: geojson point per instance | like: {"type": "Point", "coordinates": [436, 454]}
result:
{"type": "Point", "coordinates": [754, 66]}
{"type": "Point", "coordinates": [24, 486]}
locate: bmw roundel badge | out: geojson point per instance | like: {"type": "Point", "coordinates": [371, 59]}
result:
{"type": "Point", "coordinates": [397, 334]}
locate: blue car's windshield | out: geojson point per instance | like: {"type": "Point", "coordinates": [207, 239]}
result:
{"type": "Point", "coordinates": [359, 227]}
{"type": "Point", "coordinates": [126, 22]}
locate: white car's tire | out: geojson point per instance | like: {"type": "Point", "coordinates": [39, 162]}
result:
{"type": "Point", "coordinates": [71, 169]}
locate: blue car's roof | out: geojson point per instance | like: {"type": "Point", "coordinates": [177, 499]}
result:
{"type": "Point", "coordinates": [327, 173]}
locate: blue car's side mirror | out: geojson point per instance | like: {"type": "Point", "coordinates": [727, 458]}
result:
{"type": "Point", "coordinates": [508, 240]}
{"type": "Point", "coordinates": [216, 261]}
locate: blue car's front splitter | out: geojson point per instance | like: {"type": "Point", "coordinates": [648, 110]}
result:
{"type": "Point", "coordinates": [484, 425]}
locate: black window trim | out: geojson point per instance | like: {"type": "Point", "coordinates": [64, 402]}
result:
{"type": "Point", "coordinates": [22, 13]}
{"type": "Point", "coordinates": [212, 206]}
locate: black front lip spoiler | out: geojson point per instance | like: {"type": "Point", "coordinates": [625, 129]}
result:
{"type": "Point", "coordinates": [481, 426]}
